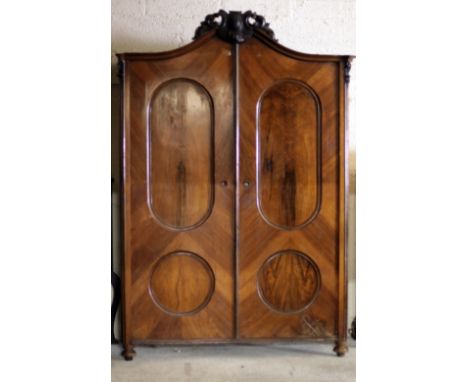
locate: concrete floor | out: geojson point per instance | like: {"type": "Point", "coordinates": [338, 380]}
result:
{"type": "Point", "coordinates": [229, 363]}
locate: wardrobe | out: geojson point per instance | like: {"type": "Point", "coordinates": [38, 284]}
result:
{"type": "Point", "coordinates": [234, 190]}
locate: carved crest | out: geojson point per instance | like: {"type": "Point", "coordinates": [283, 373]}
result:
{"type": "Point", "coordinates": [235, 27]}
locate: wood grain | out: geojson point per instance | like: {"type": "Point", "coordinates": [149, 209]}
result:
{"type": "Point", "coordinates": [207, 62]}
{"type": "Point", "coordinates": [288, 282]}
{"type": "Point", "coordinates": [260, 69]}
{"type": "Point", "coordinates": [181, 154]}
{"type": "Point", "coordinates": [288, 128]}
{"type": "Point", "coordinates": [181, 283]}
{"type": "Point", "coordinates": [234, 162]}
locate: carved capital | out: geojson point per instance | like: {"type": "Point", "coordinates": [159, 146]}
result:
{"type": "Point", "coordinates": [120, 69]}
{"type": "Point", "coordinates": [235, 27]}
{"type": "Point", "coordinates": [347, 69]}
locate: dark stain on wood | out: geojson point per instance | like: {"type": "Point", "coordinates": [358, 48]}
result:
{"type": "Point", "coordinates": [287, 124]}
{"type": "Point", "coordinates": [288, 196]}
{"type": "Point", "coordinates": [181, 191]}
{"type": "Point", "coordinates": [268, 164]}
{"type": "Point", "coordinates": [181, 184]}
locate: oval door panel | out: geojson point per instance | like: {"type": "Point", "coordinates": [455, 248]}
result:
{"type": "Point", "coordinates": [180, 184]}
{"type": "Point", "coordinates": [288, 163]}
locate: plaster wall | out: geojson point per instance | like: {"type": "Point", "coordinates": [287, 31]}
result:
{"type": "Point", "coordinates": [310, 26]}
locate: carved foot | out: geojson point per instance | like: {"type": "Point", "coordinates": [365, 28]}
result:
{"type": "Point", "coordinates": [340, 348]}
{"type": "Point", "coordinates": [128, 352]}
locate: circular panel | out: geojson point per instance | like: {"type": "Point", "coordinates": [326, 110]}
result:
{"type": "Point", "coordinates": [288, 281]}
{"type": "Point", "coordinates": [181, 283]}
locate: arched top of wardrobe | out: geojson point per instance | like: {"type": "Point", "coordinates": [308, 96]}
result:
{"type": "Point", "coordinates": [234, 28]}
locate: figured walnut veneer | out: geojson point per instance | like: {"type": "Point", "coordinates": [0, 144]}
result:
{"type": "Point", "coordinates": [288, 282]}
{"type": "Point", "coordinates": [181, 283]}
{"type": "Point", "coordinates": [234, 180]}
{"type": "Point", "coordinates": [288, 139]}
{"type": "Point", "coordinates": [180, 151]}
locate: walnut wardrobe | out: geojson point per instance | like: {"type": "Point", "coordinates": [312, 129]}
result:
{"type": "Point", "coordinates": [234, 190]}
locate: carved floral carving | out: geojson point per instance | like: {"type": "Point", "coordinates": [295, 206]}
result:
{"type": "Point", "coordinates": [234, 27]}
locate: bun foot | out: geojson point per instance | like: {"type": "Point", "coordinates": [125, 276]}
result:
{"type": "Point", "coordinates": [128, 352]}
{"type": "Point", "coordinates": [340, 348]}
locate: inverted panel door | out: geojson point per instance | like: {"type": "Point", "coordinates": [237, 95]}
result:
{"type": "Point", "coordinates": [289, 199]}
{"type": "Point", "coordinates": [179, 190]}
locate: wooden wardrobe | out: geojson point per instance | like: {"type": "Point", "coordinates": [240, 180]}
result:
{"type": "Point", "coordinates": [234, 190]}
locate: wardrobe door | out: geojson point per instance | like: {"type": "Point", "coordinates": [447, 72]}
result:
{"type": "Point", "coordinates": [290, 205]}
{"type": "Point", "coordinates": [178, 169]}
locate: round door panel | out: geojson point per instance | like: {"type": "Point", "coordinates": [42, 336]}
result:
{"type": "Point", "coordinates": [288, 281]}
{"type": "Point", "coordinates": [181, 283]}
